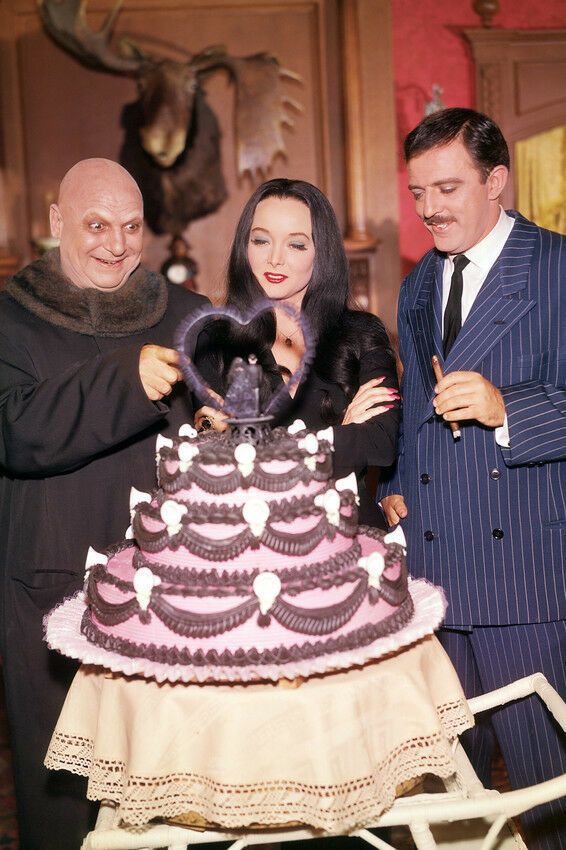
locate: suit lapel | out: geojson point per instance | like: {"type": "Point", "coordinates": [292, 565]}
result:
{"type": "Point", "coordinates": [425, 318]}
{"type": "Point", "coordinates": [501, 302]}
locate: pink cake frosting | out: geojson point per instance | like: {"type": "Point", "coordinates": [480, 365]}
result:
{"type": "Point", "coordinates": [246, 563]}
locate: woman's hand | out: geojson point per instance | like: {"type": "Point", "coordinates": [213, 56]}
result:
{"type": "Point", "coordinates": [370, 400]}
{"type": "Point", "coordinates": [207, 418]}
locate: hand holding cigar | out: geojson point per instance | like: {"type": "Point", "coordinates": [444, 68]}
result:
{"type": "Point", "coordinates": [439, 374]}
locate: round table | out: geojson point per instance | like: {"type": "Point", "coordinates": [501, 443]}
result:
{"type": "Point", "coordinates": [332, 753]}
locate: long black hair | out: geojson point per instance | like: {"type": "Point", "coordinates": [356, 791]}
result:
{"type": "Point", "coordinates": [341, 334]}
{"type": "Point", "coordinates": [327, 292]}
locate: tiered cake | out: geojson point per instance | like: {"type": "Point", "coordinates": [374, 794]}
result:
{"type": "Point", "coordinates": [247, 564]}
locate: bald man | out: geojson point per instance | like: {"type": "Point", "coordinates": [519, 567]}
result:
{"type": "Point", "coordinates": [88, 379]}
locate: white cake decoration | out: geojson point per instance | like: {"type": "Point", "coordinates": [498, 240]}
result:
{"type": "Point", "coordinates": [374, 563]}
{"type": "Point", "coordinates": [144, 582]}
{"type": "Point", "coordinates": [171, 514]}
{"type": "Point", "coordinates": [136, 498]}
{"type": "Point", "coordinates": [186, 454]}
{"type": "Point", "coordinates": [309, 444]}
{"type": "Point", "coordinates": [326, 435]}
{"type": "Point", "coordinates": [266, 587]}
{"type": "Point", "coordinates": [93, 557]}
{"type": "Point", "coordinates": [330, 501]}
{"type": "Point", "coordinates": [187, 430]}
{"type": "Point", "coordinates": [244, 455]}
{"type": "Point", "coordinates": [296, 426]}
{"type": "Point", "coordinates": [350, 482]}
{"type": "Point", "coordinates": [255, 513]}
{"type": "Point", "coordinates": [396, 536]}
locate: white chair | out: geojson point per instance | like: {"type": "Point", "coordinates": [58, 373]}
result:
{"type": "Point", "coordinates": [463, 816]}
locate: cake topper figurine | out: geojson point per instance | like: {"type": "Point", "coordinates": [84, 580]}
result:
{"type": "Point", "coordinates": [247, 425]}
{"type": "Point", "coordinates": [248, 422]}
{"type": "Point", "coordinates": [242, 396]}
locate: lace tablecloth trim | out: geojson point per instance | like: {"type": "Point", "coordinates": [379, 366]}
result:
{"type": "Point", "coordinates": [338, 807]}
{"type": "Point", "coordinates": [454, 717]}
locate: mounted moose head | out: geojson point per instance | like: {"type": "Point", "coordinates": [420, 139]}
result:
{"type": "Point", "coordinates": [172, 139]}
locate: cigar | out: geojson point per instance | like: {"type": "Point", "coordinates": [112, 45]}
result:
{"type": "Point", "coordinates": [439, 374]}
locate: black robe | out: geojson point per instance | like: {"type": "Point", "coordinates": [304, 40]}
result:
{"type": "Point", "coordinates": [77, 431]}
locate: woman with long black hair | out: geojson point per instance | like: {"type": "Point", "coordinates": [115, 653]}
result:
{"type": "Point", "coordinates": [288, 247]}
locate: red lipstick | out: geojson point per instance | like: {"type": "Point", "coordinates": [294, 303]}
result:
{"type": "Point", "coordinates": [271, 277]}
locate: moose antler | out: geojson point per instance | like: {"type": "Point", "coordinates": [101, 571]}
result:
{"type": "Point", "coordinates": [261, 111]}
{"type": "Point", "coordinates": [260, 106]}
{"type": "Point", "coordinates": [66, 23]}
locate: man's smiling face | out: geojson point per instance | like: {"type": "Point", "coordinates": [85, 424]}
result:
{"type": "Point", "coordinates": [99, 222]}
{"type": "Point", "coordinates": [456, 202]}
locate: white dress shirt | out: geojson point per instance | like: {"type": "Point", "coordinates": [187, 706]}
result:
{"type": "Point", "coordinates": [482, 257]}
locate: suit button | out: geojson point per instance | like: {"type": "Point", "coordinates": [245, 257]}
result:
{"type": "Point", "coordinates": [425, 478]}
{"type": "Point", "coordinates": [495, 474]}
{"type": "Point", "coordinates": [429, 535]}
{"type": "Point", "coordinates": [497, 533]}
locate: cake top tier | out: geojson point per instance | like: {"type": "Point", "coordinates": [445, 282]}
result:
{"type": "Point", "coordinates": [220, 465]}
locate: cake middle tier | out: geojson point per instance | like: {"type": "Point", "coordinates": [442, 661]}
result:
{"type": "Point", "coordinates": [222, 531]}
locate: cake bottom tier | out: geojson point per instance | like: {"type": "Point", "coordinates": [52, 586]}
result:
{"type": "Point", "coordinates": [330, 754]}
{"type": "Point", "coordinates": [420, 614]}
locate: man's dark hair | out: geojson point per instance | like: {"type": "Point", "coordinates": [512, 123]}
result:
{"type": "Point", "coordinates": [481, 137]}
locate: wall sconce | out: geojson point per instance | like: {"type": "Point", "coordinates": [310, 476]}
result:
{"type": "Point", "coordinates": [435, 104]}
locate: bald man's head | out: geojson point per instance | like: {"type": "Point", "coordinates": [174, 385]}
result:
{"type": "Point", "coordinates": [98, 219]}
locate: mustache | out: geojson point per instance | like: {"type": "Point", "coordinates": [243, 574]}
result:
{"type": "Point", "coordinates": [437, 219]}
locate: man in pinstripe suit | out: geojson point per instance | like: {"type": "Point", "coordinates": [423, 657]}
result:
{"type": "Point", "coordinates": [485, 515]}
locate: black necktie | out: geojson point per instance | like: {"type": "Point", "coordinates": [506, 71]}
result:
{"type": "Point", "coordinates": [453, 312]}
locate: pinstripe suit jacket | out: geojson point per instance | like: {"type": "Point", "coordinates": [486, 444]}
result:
{"type": "Point", "coordinates": [488, 523]}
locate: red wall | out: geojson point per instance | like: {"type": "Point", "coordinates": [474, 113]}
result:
{"type": "Point", "coordinates": [427, 49]}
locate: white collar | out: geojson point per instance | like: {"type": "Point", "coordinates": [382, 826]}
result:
{"type": "Point", "coordinates": [485, 253]}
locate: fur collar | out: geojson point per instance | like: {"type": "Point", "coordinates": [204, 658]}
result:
{"type": "Point", "coordinates": [44, 290]}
